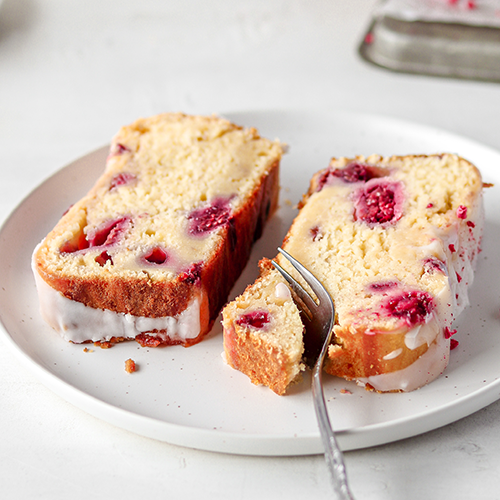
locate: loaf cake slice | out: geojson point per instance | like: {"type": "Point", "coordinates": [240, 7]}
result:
{"type": "Point", "coordinates": [152, 251]}
{"type": "Point", "coordinates": [395, 241]}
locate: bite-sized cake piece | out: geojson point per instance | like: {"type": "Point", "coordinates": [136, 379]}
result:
{"type": "Point", "coordinates": [394, 241]}
{"type": "Point", "coordinates": [152, 251]}
{"type": "Point", "coordinates": [263, 332]}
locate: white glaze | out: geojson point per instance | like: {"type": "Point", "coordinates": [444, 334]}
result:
{"type": "Point", "coordinates": [282, 291]}
{"type": "Point", "coordinates": [451, 301]}
{"type": "Point", "coordinates": [424, 370]}
{"type": "Point", "coordinates": [393, 354]}
{"type": "Point", "coordinates": [423, 334]}
{"type": "Point", "coordinates": [78, 323]}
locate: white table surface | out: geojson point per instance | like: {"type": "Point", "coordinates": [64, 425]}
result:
{"type": "Point", "coordinates": [71, 73]}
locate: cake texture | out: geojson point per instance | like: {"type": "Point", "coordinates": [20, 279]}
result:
{"type": "Point", "coordinates": [152, 251]}
{"type": "Point", "coordinates": [394, 240]}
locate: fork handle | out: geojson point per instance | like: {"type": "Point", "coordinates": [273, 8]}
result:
{"type": "Point", "coordinates": [333, 453]}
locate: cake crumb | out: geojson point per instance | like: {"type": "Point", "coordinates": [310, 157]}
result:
{"type": "Point", "coordinates": [130, 366]}
{"type": "Point", "coordinates": [345, 391]}
{"type": "Point", "coordinates": [86, 349]}
{"type": "Point", "coordinates": [103, 345]}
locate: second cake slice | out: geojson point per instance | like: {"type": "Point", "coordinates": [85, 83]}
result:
{"type": "Point", "coordinates": [395, 241]}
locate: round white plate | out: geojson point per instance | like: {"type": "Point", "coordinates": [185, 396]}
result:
{"type": "Point", "coordinates": [189, 396]}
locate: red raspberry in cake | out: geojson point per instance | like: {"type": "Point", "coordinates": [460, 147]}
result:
{"type": "Point", "coordinates": [255, 319]}
{"type": "Point", "coordinates": [378, 202]}
{"type": "Point", "coordinates": [209, 218]}
{"type": "Point", "coordinates": [104, 257]}
{"type": "Point", "coordinates": [118, 149]}
{"type": "Point", "coordinates": [354, 172]}
{"type": "Point", "coordinates": [122, 179]}
{"type": "Point", "coordinates": [79, 242]}
{"type": "Point", "coordinates": [462, 212]}
{"type": "Point", "coordinates": [156, 255]}
{"type": "Point", "coordinates": [108, 233]}
{"type": "Point", "coordinates": [316, 233]}
{"type": "Point", "coordinates": [382, 286]}
{"type": "Point", "coordinates": [192, 274]}
{"type": "Point", "coordinates": [433, 264]}
{"type": "Point", "coordinates": [412, 307]}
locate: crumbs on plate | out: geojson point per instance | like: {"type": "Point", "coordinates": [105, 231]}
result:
{"type": "Point", "coordinates": [130, 366]}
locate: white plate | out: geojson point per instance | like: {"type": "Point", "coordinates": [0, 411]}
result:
{"type": "Point", "coordinates": [189, 396]}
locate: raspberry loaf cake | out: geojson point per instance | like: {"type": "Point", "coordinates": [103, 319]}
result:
{"type": "Point", "coordinates": [395, 241]}
{"type": "Point", "coordinates": [152, 251]}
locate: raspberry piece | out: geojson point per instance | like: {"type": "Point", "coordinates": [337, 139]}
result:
{"type": "Point", "coordinates": [79, 242]}
{"type": "Point", "coordinates": [382, 286]}
{"type": "Point", "coordinates": [255, 319]}
{"type": "Point", "coordinates": [122, 179]}
{"type": "Point", "coordinates": [453, 344]}
{"type": "Point", "coordinates": [462, 212]}
{"type": "Point", "coordinates": [353, 172]}
{"type": "Point", "coordinates": [433, 264]}
{"type": "Point", "coordinates": [104, 257]}
{"type": "Point", "coordinates": [108, 233]}
{"type": "Point", "coordinates": [412, 307]}
{"type": "Point", "coordinates": [118, 149]}
{"type": "Point", "coordinates": [156, 256]}
{"type": "Point", "coordinates": [378, 203]}
{"type": "Point", "coordinates": [316, 233]}
{"type": "Point", "coordinates": [448, 333]}
{"type": "Point", "coordinates": [192, 274]}
{"type": "Point", "coordinates": [209, 218]}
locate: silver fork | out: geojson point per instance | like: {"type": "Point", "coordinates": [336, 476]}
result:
{"type": "Point", "coordinates": [318, 318]}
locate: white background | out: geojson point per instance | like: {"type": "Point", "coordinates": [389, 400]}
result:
{"type": "Point", "coordinates": [71, 73]}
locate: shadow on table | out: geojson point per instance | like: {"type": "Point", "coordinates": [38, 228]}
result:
{"type": "Point", "coordinates": [16, 16]}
